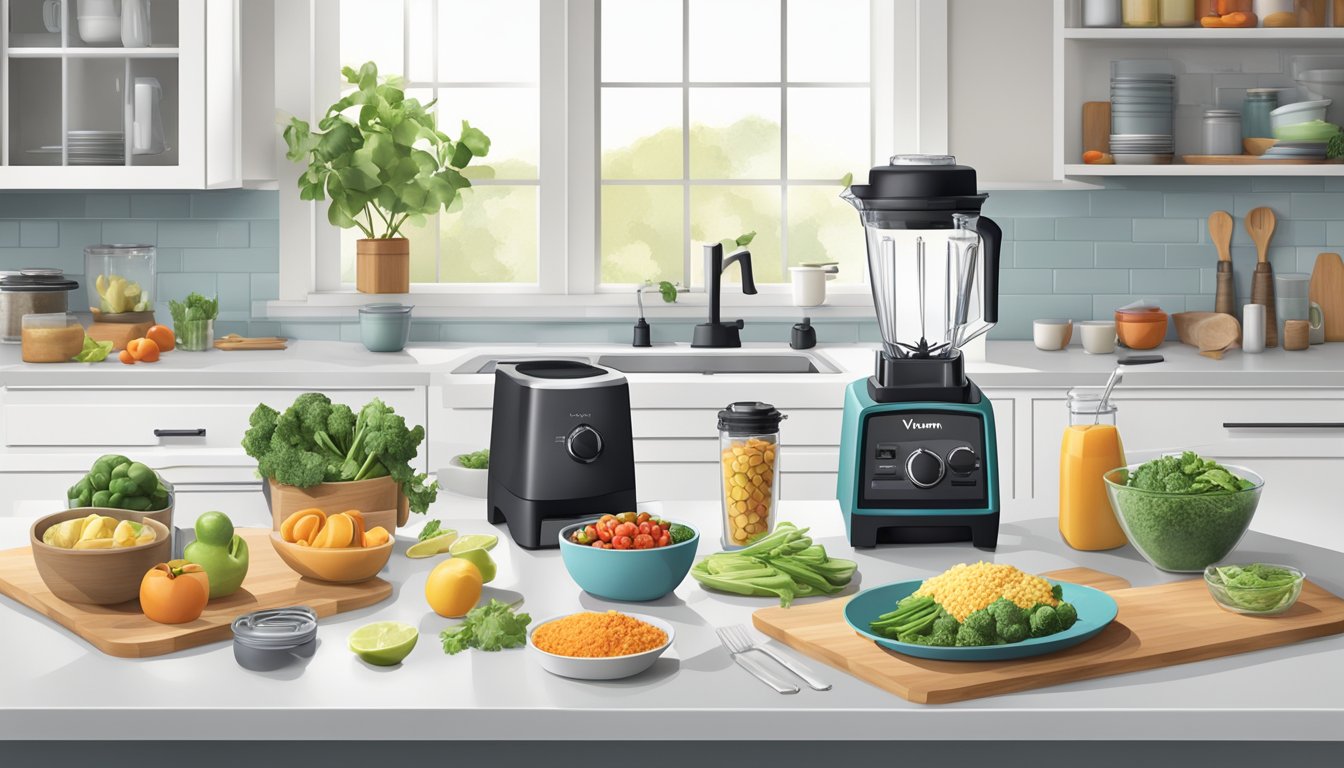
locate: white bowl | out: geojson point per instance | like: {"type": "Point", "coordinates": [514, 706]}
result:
{"type": "Point", "coordinates": [612, 668]}
{"type": "Point", "coordinates": [1301, 112]}
{"type": "Point", "coordinates": [1325, 84]}
{"type": "Point", "coordinates": [464, 481]}
{"type": "Point", "coordinates": [100, 30]}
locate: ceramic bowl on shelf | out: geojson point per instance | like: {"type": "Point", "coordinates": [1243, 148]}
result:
{"type": "Point", "coordinates": [1141, 327]}
{"type": "Point", "coordinates": [1299, 112]}
{"type": "Point", "coordinates": [605, 668]}
{"type": "Point", "coordinates": [627, 575]}
{"type": "Point", "coordinates": [345, 565]}
{"type": "Point", "coordinates": [97, 576]}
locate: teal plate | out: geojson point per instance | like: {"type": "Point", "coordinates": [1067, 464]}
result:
{"type": "Point", "coordinates": [1096, 609]}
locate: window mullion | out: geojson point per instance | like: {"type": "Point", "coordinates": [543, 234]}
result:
{"type": "Point", "coordinates": [784, 137]}
{"type": "Point", "coordinates": [571, 197]}
{"type": "Point", "coordinates": [686, 144]}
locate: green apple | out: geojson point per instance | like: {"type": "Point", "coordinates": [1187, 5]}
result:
{"type": "Point", "coordinates": [222, 554]}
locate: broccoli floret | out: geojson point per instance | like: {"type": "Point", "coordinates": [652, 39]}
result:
{"type": "Point", "coordinates": [1005, 611]}
{"type": "Point", "coordinates": [967, 637]}
{"type": "Point", "coordinates": [981, 622]}
{"type": "Point", "coordinates": [1066, 614]}
{"type": "Point", "coordinates": [946, 624]}
{"type": "Point", "coordinates": [257, 441]}
{"type": "Point", "coordinates": [1044, 621]}
{"type": "Point", "coordinates": [1014, 633]}
{"type": "Point", "coordinates": [943, 639]}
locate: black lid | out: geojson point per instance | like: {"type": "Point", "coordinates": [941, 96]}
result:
{"type": "Point", "coordinates": [750, 418]}
{"type": "Point", "coordinates": [37, 280]}
{"type": "Point", "coordinates": [920, 183]}
{"type": "Point", "coordinates": [559, 369]}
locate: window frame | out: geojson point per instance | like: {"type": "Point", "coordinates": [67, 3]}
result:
{"type": "Point", "coordinates": [905, 36]}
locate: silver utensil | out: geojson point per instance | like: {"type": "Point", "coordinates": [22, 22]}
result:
{"type": "Point", "coordinates": [1116, 376]}
{"type": "Point", "coordinates": [756, 668]}
{"type": "Point", "coordinates": [739, 641]}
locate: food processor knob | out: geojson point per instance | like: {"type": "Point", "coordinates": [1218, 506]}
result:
{"type": "Point", "coordinates": [924, 468]}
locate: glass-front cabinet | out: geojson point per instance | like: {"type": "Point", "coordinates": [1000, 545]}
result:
{"type": "Point", "coordinates": [113, 93]}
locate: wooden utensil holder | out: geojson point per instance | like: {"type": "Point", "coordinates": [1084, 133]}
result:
{"type": "Point", "coordinates": [1262, 292]}
{"type": "Point", "coordinates": [380, 499]}
{"type": "Point", "coordinates": [383, 265]}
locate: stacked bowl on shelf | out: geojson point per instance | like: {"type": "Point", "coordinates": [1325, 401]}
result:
{"type": "Point", "coordinates": [1143, 96]}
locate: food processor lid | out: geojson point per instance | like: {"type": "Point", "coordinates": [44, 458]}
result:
{"type": "Point", "coordinates": [749, 417]}
{"type": "Point", "coordinates": [276, 629]}
{"type": "Point", "coordinates": [920, 183]}
{"type": "Point", "coordinates": [37, 280]}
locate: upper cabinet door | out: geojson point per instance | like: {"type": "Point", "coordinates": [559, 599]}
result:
{"type": "Point", "coordinates": [115, 94]}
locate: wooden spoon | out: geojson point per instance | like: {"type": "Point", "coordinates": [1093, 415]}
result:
{"type": "Point", "coordinates": [1220, 232]}
{"type": "Point", "coordinates": [1260, 224]}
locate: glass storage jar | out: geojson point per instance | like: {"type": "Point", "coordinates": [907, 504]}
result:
{"type": "Point", "coordinates": [55, 337]}
{"type": "Point", "coordinates": [1276, 13]}
{"type": "Point", "coordinates": [1177, 13]}
{"type": "Point", "coordinates": [1101, 13]}
{"type": "Point", "coordinates": [31, 291]}
{"type": "Point", "coordinates": [1311, 13]}
{"type": "Point", "coordinates": [1259, 102]}
{"type": "Point", "coordinates": [749, 459]}
{"type": "Point", "coordinates": [1222, 132]}
{"type": "Point", "coordinates": [1141, 13]}
{"type": "Point", "coordinates": [1215, 13]}
{"type": "Point", "coordinates": [121, 280]}
{"type": "Point", "coordinates": [1091, 447]}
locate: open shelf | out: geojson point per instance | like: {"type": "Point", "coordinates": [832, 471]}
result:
{"type": "Point", "coordinates": [94, 53]}
{"type": "Point", "coordinates": [1203, 35]}
{"type": "Point", "coordinates": [1083, 170]}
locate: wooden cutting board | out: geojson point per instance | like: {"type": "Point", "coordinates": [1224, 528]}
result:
{"type": "Point", "coordinates": [235, 343]}
{"type": "Point", "coordinates": [1327, 289]}
{"type": "Point", "coordinates": [1097, 126]}
{"type": "Point", "coordinates": [122, 630]}
{"type": "Point", "coordinates": [1158, 626]}
{"type": "Point", "coordinates": [1251, 160]}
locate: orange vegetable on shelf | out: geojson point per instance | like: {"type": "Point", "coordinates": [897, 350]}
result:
{"type": "Point", "coordinates": [144, 350]}
{"type": "Point", "coordinates": [163, 336]}
{"type": "Point", "coordinates": [174, 592]}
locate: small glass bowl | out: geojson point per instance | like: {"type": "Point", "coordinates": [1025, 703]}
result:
{"type": "Point", "coordinates": [1258, 597]}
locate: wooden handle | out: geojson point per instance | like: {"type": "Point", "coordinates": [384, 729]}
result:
{"type": "Point", "coordinates": [1225, 298]}
{"type": "Point", "coordinates": [1262, 292]}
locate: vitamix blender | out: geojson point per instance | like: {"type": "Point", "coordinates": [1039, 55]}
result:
{"type": "Point", "coordinates": [917, 454]}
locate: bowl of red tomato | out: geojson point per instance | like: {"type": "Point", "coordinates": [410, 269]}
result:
{"type": "Point", "coordinates": [631, 557]}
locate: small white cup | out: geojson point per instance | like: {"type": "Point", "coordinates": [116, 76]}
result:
{"type": "Point", "coordinates": [1051, 335]}
{"type": "Point", "coordinates": [1253, 328]}
{"type": "Point", "coordinates": [809, 284]}
{"type": "Point", "coordinates": [1098, 336]}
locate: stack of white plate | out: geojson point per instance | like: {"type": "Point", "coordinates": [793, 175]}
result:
{"type": "Point", "coordinates": [91, 148]}
{"type": "Point", "coordinates": [1305, 150]}
{"type": "Point", "coordinates": [1141, 117]}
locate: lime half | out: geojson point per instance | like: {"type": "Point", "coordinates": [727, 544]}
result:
{"type": "Point", "coordinates": [483, 562]}
{"type": "Point", "coordinates": [486, 541]}
{"type": "Point", "coordinates": [433, 546]}
{"type": "Point", "coordinates": [384, 643]}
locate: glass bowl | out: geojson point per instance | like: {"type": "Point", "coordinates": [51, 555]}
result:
{"type": "Point", "coordinates": [1254, 601]}
{"type": "Point", "coordinates": [1181, 532]}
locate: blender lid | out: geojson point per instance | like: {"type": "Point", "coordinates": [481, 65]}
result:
{"type": "Point", "coordinates": [750, 417]}
{"type": "Point", "coordinates": [277, 628]}
{"type": "Point", "coordinates": [37, 280]}
{"type": "Point", "coordinates": [921, 183]}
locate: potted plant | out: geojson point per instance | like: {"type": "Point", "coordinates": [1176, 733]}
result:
{"type": "Point", "coordinates": [384, 165]}
{"type": "Point", "coordinates": [322, 454]}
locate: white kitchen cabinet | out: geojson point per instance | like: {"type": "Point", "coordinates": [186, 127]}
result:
{"type": "Point", "coordinates": [75, 111]}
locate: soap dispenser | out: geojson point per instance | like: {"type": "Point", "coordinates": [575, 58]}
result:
{"type": "Point", "coordinates": [804, 336]}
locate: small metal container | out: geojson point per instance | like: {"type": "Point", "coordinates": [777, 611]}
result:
{"type": "Point", "coordinates": [31, 291]}
{"type": "Point", "coordinates": [271, 639]}
{"type": "Point", "coordinates": [1101, 13]}
{"type": "Point", "coordinates": [1222, 132]}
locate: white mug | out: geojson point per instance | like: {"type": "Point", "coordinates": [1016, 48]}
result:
{"type": "Point", "coordinates": [809, 283]}
{"type": "Point", "coordinates": [51, 15]}
{"type": "Point", "coordinates": [1098, 336]}
{"type": "Point", "coordinates": [1051, 335]}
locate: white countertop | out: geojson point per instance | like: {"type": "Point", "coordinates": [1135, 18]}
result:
{"type": "Point", "coordinates": [1007, 364]}
{"type": "Point", "coordinates": [54, 686]}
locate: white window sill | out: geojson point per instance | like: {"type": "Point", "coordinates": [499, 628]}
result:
{"type": "Point", "coordinates": [773, 305]}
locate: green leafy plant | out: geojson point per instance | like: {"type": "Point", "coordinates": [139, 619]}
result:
{"type": "Point", "coordinates": [1335, 147]}
{"type": "Point", "coordinates": [388, 160]}
{"type": "Point", "coordinates": [491, 627]}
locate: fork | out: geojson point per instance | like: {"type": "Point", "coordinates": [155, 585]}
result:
{"type": "Point", "coordinates": [738, 641]}
{"type": "Point", "coordinates": [755, 667]}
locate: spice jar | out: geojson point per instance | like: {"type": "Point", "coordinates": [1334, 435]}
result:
{"type": "Point", "coordinates": [1222, 132]}
{"type": "Point", "coordinates": [1101, 13]}
{"type": "Point", "coordinates": [1177, 13]}
{"type": "Point", "coordinates": [1141, 13]}
{"type": "Point", "coordinates": [1276, 13]}
{"type": "Point", "coordinates": [1311, 13]}
{"type": "Point", "coordinates": [1255, 109]}
{"type": "Point", "coordinates": [749, 458]}
{"type": "Point", "coordinates": [51, 338]}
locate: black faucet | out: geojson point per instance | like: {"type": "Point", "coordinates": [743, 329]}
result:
{"type": "Point", "coordinates": [716, 333]}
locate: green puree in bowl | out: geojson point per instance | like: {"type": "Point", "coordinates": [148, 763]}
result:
{"type": "Point", "coordinates": [1193, 511]}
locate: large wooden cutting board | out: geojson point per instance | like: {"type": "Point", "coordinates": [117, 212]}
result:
{"type": "Point", "coordinates": [122, 630]}
{"type": "Point", "coordinates": [1158, 626]}
{"type": "Point", "coordinates": [1327, 289]}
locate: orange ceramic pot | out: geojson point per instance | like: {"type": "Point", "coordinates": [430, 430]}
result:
{"type": "Point", "coordinates": [1141, 328]}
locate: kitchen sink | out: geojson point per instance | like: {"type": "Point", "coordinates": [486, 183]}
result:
{"type": "Point", "coordinates": [711, 364]}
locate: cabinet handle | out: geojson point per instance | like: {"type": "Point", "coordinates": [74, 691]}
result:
{"type": "Point", "coordinates": [1283, 425]}
{"type": "Point", "coordinates": [199, 432]}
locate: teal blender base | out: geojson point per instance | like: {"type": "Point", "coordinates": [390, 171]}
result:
{"type": "Point", "coordinates": [974, 516]}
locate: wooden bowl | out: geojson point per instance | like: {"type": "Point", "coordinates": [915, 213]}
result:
{"type": "Point", "coordinates": [97, 576]}
{"type": "Point", "coordinates": [1257, 147]}
{"type": "Point", "coordinates": [348, 565]}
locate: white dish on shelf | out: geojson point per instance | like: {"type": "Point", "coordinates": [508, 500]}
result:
{"type": "Point", "coordinates": [100, 30]}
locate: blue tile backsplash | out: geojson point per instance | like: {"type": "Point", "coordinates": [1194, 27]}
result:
{"type": "Point", "coordinates": [1067, 253]}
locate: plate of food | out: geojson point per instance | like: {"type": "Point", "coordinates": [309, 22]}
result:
{"type": "Point", "coordinates": [980, 612]}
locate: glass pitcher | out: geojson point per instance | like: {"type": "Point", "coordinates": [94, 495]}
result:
{"type": "Point", "coordinates": [1091, 447]}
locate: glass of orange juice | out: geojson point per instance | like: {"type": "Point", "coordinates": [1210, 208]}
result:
{"type": "Point", "coordinates": [1091, 448]}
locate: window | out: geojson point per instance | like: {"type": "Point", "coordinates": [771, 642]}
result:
{"type": "Point", "coordinates": [479, 61]}
{"type": "Point", "coordinates": [720, 117]}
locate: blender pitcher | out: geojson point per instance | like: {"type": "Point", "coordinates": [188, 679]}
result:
{"type": "Point", "coordinates": [933, 260]}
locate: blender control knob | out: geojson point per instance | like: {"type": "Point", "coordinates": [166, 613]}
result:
{"type": "Point", "coordinates": [962, 460]}
{"type": "Point", "coordinates": [584, 444]}
{"type": "Point", "coordinates": [924, 468]}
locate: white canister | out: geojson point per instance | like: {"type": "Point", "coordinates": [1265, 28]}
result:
{"type": "Point", "coordinates": [809, 283]}
{"type": "Point", "coordinates": [1253, 328]}
{"type": "Point", "coordinates": [1222, 132]}
{"type": "Point", "coordinates": [147, 120]}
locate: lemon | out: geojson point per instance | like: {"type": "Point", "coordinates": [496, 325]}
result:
{"type": "Point", "coordinates": [453, 587]}
{"type": "Point", "coordinates": [384, 643]}
{"type": "Point", "coordinates": [485, 541]}
{"type": "Point", "coordinates": [481, 559]}
{"type": "Point", "coordinates": [433, 546]}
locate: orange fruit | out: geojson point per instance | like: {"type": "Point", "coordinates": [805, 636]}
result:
{"type": "Point", "coordinates": [453, 588]}
{"type": "Point", "coordinates": [144, 350]}
{"type": "Point", "coordinates": [126, 357]}
{"type": "Point", "coordinates": [163, 336]}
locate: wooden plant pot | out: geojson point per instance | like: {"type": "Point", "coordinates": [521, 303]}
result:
{"type": "Point", "coordinates": [380, 499]}
{"type": "Point", "coordinates": [383, 265]}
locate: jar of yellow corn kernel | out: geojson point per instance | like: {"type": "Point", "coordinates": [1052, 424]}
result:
{"type": "Point", "coordinates": [749, 460]}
